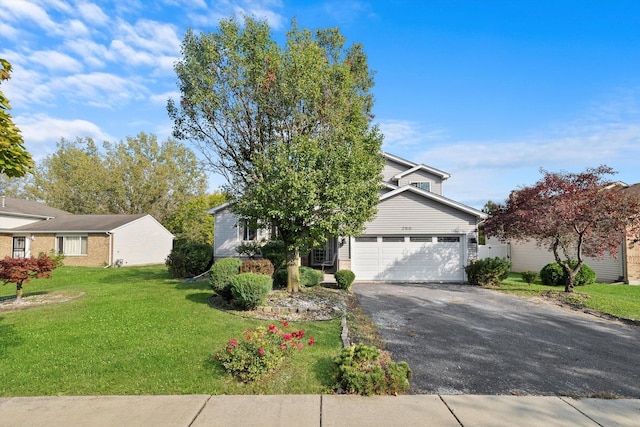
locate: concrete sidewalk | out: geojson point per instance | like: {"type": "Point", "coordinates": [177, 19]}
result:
{"type": "Point", "coordinates": [317, 410]}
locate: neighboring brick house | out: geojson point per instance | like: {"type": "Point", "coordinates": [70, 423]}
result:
{"type": "Point", "coordinates": [631, 252]}
{"type": "Point", "coordinates": [28, 228]}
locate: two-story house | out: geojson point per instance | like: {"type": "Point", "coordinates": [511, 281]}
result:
{"type": "Point", "coordinates": [416, 235]}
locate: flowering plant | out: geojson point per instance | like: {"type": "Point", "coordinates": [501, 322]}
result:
{"type": "Point", "coordinates": [261, 351]}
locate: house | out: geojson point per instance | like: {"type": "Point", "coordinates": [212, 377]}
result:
{"type": "Point", "coordinates": [28, 228]}
{"type": "Point", "coordinates": [416, 235]}
{"type": "Point", "coordinates": [623, 267]}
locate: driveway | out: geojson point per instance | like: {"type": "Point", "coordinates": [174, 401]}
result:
{"type": "Point", "coordinates": [462, 339]}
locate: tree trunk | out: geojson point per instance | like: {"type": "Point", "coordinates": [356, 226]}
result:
{"type": "Point", "coordinates": [18, 293]}
{"type": "Point", "coordinates": [571, 276]}
{"type": "Point", "coordinates": [293, 273]}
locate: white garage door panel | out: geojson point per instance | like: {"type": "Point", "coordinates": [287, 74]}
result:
{"type": "Point", "coordinates": [407, 260]}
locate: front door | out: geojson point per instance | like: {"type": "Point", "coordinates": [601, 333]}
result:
{"type": "Point", "coordinates": [19, 246]}
{"type": "Point", "coordinates": [320, 257]}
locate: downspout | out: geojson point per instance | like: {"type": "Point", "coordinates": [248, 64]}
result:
{"type": "Point", "coordinates": [110, 236]}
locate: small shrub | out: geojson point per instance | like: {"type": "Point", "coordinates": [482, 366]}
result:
{"type": "Point", "coordinates": [249, 290]}
{"type": "Point", "coordinates": [274, 252]}
{"type": "Point", "coordinates": [258, 266]}
{"type": "Point", "coordinates": [280, 279]}
{"type": "Point", "coordinates": [221, 275]}
{"type": "Point", "coordinates": [261, 351]}
{"type": "Point", "coordinates": [189, 260]}
{"type": "Point", "coordinates": [250, 249]}
{"type": "Point", "coordinates": [365, 370]}
{"type": "Point", "coordinates": [310, 277]}
{"type": "Point", "coordinates": [529, 276]}
{"type": "Point", "coordinates": [488, 271]}
{"type": "Point", "coordinates": [345, 279]}
{"type": "Point", "coordinates": [552, 274]}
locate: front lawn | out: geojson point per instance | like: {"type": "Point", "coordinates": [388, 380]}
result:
{"type": "Point", "coordinates": [618, 300]}
{"type": "Point", "coordinates": [136, 331]}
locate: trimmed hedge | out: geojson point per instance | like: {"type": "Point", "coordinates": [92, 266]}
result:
{"type": "Point", "coordinates": [189, 260]}
{"type": "Point", "coordinates": [488, 271]}
{"type": "Point", "coordinates": [308, 277]}
{"type": "Point", "coordinates": [274, 252]}
{"type": "Point", "coordinates": [345, 279]}
{"type": "Point", "coordinates": [258, 266]}
{"type": "Point", "coordinates": [221, 275]}
{"type": "Point", "coordinates": [552, 274]}
{"type": "Point", "coordinates": [250, 289]}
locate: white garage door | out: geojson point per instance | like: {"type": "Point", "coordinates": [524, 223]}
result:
{"type": "Point", "coordinates": [408, 258]}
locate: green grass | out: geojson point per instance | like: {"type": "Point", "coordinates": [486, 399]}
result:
{"type": "Point", "coordinates": [136, 331]}
{"type": "Point", "coordinates": [616, 299]}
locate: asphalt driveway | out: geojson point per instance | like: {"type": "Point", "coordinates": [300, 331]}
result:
{"type": "Point", "coordinates": [462, 339]}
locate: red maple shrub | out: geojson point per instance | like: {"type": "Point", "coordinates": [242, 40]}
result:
{"type": "Point", "coordinates": [21, 270]}
{"type": "Point", "coordinates": [571, 214]}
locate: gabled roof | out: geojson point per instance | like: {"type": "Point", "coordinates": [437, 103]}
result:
{"type": "Point", "coordinates": [413, 167]}
{"type": "Point", "coordinates": [79, 224]}
{"type": "Point", "coordinates": [28, 208]}
{"type": "Point", "coordinates": [218, 208]}
{"type": "Point", "coordinates": [437, 198]}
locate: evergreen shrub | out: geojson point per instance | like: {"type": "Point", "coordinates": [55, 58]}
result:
{"type": "Point", "coordinates": [189, 260]}
{"type": "Point", "coordinates": [488, 271]}
{"type": "Point", "coordinates": [249, 290]}
{"type": "Point", "coordinates": [221, 276]}
{"type": "Point", "coordinates": [345, 279]}
{"type": "Point", "coordinates": [552, 274]}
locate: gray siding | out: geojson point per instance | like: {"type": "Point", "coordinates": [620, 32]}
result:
{"type": "Point", "coordinates": [420, 175]}
{"type": "Point", "coordinates": [409, 213]}
{"type": "Point", "coordinates": [225, 235]}
{"type": "Point", "coordinates": [391, 169]}
{"type": "Point", "coordinates": [528, 256]}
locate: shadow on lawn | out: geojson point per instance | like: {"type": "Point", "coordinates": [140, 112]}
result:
{"type": "Point", "coordinates": [8, 337]}
{"type": "Point", "coordinates": [136, 275]}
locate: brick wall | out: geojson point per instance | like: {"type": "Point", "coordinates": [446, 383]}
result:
{"type": "Point", "coordinates": [633, 262]}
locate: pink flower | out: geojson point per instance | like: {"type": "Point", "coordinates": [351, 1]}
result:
{"type": "Point", "coordinates": [260, 351]}
{"type": "Point", "coordinates": [285, 323]}
{"type": "Point", "coordinates": [233, 342]}
{"type": "Point", "coordinates": [283, 346]}
{"type": "Point", "coordinates": [217, 357]}
{"type": "Point", "coordinates": [300, 346]}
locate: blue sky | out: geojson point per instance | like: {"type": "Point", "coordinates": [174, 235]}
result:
{"type": "Point", "coordinates": [489, 91]}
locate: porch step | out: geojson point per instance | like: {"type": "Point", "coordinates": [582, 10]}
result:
{"type": "Point", "coordinates": [328, 278]}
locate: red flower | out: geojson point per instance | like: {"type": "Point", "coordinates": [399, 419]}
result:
{"type": "Point", "coordinates": [248, 337]}
{"type": "Point", "coordinates": [286, 337]}
{"type": "Point", "coordinates": [260, 351]}
{"type": "Point", "coordinates": [217, 357]}
{"type": "Point", "coordinates": [233, 342]}
{"type": "Point", "coordinates": [285, 323]}
{"type": "Point", "coordinates": [272, 328]}
{"type": "Point", "coordinates": [312, 341]}
{"type": "Point", "coordinates": [283, 346]}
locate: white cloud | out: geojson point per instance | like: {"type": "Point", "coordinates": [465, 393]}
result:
{"type": "Point", "coordinates": [7, 31]}
{"type": "Point", "coordinates": [99, 89]}
{"type": "Point", "coordinates": [93, 13]}
{"type": "Point", "coordinates": [56, 61]}
{"type": "Point", "coordinates": [40, 132]}
{"type": "Point", "coordinates": [161, 98]}
{"type": "Point", "coordinates": [403, 133]}
{"type": "Point", "coordinates": [92, 53]}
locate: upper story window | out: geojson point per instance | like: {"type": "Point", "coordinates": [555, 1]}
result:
{"type": "Point", "coordinates": [423, 185]}
{"type": "Point", "coordinates": [71, 245]}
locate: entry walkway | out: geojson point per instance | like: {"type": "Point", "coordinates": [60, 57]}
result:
{"type": "Point", "coordinates": [317, 410]}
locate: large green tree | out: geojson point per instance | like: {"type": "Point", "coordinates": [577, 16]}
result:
{"type": "Point", "coordinates": [192, 223]}
{"type": "Point", "coordinates": [288, 126]}
{"type": "Point", "coordinates": [15, 161]}
{"type": "Point", "coordinates": [139, 175]}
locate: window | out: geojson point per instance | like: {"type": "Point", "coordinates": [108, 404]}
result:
{"type": "Point", "coordinates": [421, 239]}
{"type": "Point", "coordinates": [248, 232]}
{"type": "Point", "coordinates": [19, 246]}
{"type": "Point", "coordinates": [393, 239]}
{"type": "Point", "coordinates": [423, 185]}
{"type": "Point", "coordinates": [71, 245]}
{"type": "Point", "coordinates": [448, 239]}
{"type": "Point", "coordinates": [369, 239]}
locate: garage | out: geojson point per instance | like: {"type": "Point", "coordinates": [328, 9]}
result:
{"type": "Point", "coordinates": [409, 258]}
